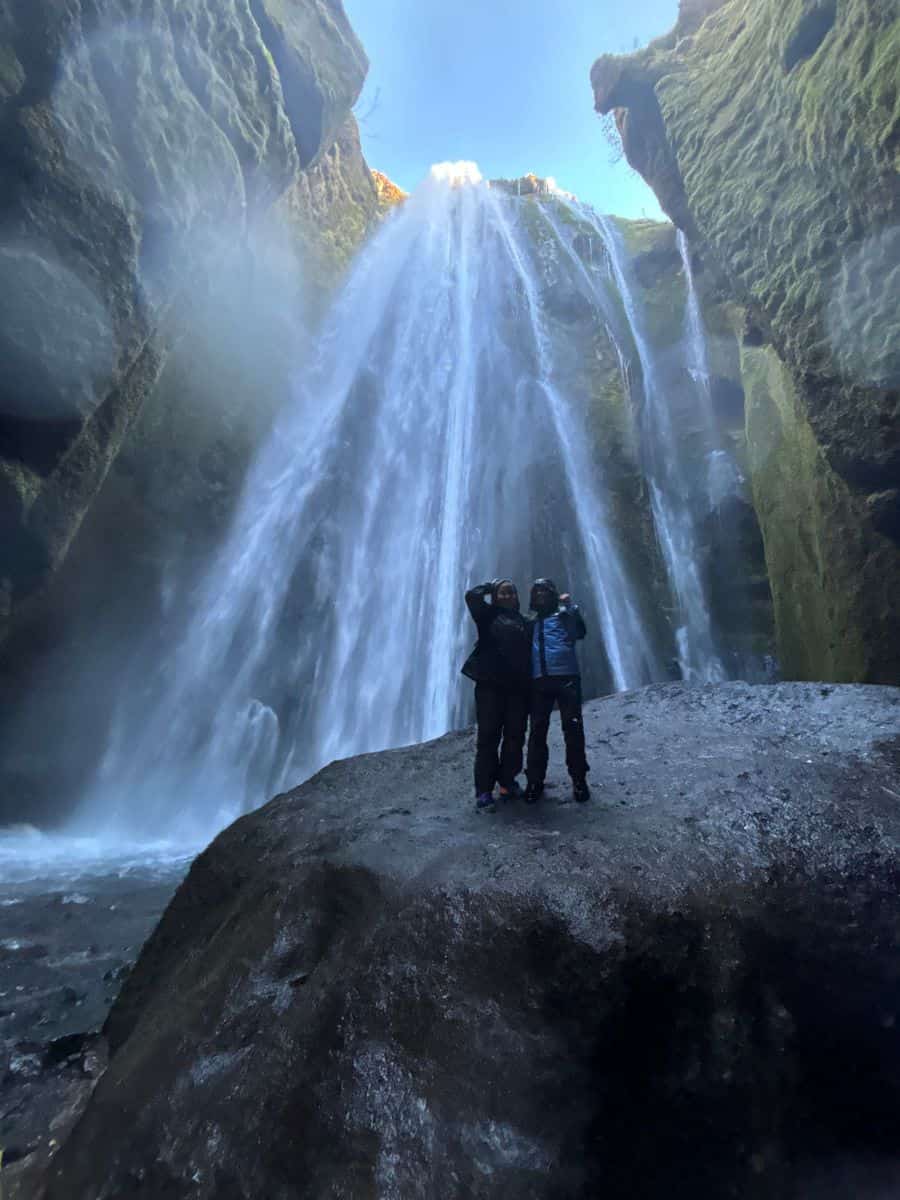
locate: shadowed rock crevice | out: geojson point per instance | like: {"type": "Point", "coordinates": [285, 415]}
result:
{"type": "Point", "coordinates": [305, 105]}
{"type": "Point", "coordinates": [36, 444]}
{"type": "Point", "coordinates": [809, 33]}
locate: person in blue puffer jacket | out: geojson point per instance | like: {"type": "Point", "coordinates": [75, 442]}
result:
{"type": "Point", "coordinates": [555, 679]}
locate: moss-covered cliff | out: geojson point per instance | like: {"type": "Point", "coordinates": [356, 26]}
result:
{"type": "Point", "coordinates": [771, 133]}
{"type": "Point", "coordinates": [140, 152]}
{"type": "Point", "coordinates": [179, 192]}
{"type": "Point", "coordinates": [833, 575]}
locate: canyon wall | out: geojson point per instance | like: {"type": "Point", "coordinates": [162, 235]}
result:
{"type": "Point", "coordinates": [771, 135]}
{"type": "Point", "coordinates": [142, 149]}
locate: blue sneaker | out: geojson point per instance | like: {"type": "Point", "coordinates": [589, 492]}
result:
{"type": "Point", "coordinates": [485, 802]}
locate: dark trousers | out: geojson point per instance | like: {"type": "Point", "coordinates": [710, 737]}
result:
{"type": "Point", "coordinates": [564, 690]}
{"type": "Point", "coordinates": [502, 713]}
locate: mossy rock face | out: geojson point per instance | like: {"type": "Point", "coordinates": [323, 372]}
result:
{"type": "Point", "coordinates": [140, 147]}
{"type": "Point", "coordinates": [781, 122]}
{"type": "Point", "coordinates": [835, 579]}
{"type": "Point", "coordinates": [332, 208]}
{"type": "Point", "coordinates": [770, 131]}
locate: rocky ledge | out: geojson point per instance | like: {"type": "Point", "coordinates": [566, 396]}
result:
{"type": "Point", "coordinates": [687, 987]}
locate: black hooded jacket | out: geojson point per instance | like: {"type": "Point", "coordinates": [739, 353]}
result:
{"type": "Point", "coordinates": [502, 654]}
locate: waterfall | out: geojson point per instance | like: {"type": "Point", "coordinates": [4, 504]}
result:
{"type": "Point", "coordinates": [723, 478]}
{"type": "Point", "coordinates": [415, 459]}
{"type": "Point", "coordinates": [669, 481]}
{"type": "Point", "coordinates": [695, 332]}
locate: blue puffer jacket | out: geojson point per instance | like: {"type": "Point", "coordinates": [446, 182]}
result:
{"type": "Point", "coordinates": [553, 642]}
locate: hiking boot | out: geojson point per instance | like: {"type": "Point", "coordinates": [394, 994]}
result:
{"type": "Point", "coordinates": [513, 792]}
{"type": "Point", "coordinates": [580, 790]}
{"type": "Point", "coordinates": [485, 802]}
{"type": "Point", "coordinates": [533, 793]}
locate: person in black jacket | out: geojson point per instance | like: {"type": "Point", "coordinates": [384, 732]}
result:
{"type": "Point", "coordinates": [555, 679]}
{"type": "Point", "coordinates": [500, 664]}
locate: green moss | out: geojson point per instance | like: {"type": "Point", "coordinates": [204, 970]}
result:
{"type": "Point", "coordinates": [332, 208]}
{"type": "Point", "coordinates": [834, 579]}
{"type": "Point", "coordinates": [644, 236]}
{"type": "Point", "coordinates": [789, 168]}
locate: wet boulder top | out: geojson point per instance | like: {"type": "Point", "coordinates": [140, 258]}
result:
{"type": "Point", "coordinates": [365, 988]}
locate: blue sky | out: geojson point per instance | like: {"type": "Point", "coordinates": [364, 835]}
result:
{"type": "Point", "coordinates": [502, 82]}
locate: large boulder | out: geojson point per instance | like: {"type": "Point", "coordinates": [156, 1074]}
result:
{"type": "Point", "coordinates": [770, 133]}
{"type": "Point", "coordinates": [687, 987]}
{"type": "Point", "coordinates": [140, 144]}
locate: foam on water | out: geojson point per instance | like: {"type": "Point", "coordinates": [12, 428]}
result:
{"type": "Point", "coordinates": [28, 855]}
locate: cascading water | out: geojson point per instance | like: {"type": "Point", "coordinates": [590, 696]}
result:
{"type": "Point", "coordinates": [695, 332]}
{"type": "Point", "coordinates": [669, 481]}
{"type": "Point", "coordinates": [415, 459]}
{"type": "Point", "coordinates": [723, 478]}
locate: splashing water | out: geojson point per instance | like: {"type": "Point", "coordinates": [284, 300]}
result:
{"type": "Point", "coordinates": [413, 461]}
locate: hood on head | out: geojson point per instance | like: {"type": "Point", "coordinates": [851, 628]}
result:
{"type": "Point", "coordinates": [497, 584]}
{"type": "Point", "coordinates": [549, 586]}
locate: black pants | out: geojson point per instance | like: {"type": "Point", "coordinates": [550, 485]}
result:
{"type": "Point", "coordinates": [564, 690]}
{"type": "Point", "coordinates": [501, 713]}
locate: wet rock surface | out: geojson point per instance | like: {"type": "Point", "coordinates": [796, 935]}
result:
{"type": "Point", "coordinates": [687, 987]}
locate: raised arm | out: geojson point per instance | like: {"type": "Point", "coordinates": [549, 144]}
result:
{"type": "Point", "coordinates": [580, 627]}
{"type": "Point", "coordinates": [476, 603]}
{"type": "Point", "coordinates": [574, 619]}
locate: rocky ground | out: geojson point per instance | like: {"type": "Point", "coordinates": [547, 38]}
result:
{"type": "Point", "coordinates": [687, 987]}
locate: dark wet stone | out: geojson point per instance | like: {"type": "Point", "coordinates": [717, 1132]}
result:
{"type": "Point", "coordinates": [691, 996]}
